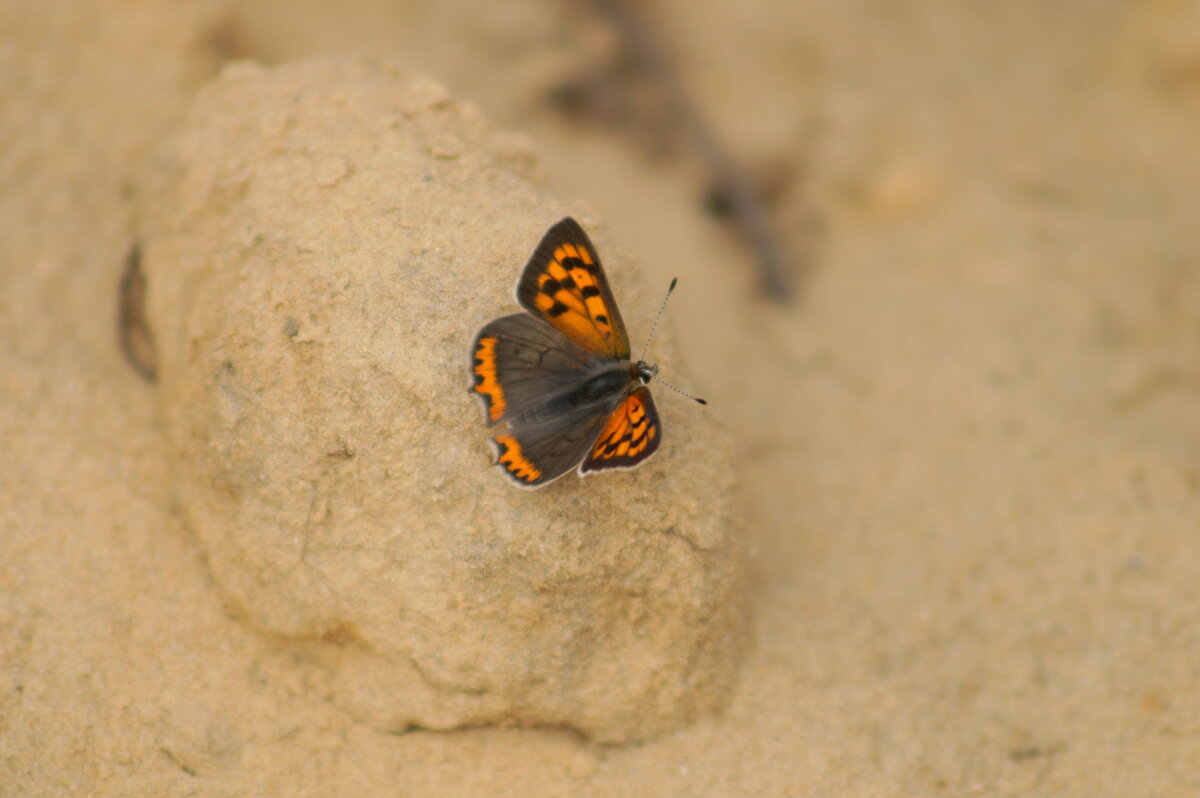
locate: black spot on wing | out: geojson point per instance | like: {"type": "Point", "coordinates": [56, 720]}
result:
{"type": "Point", "coordinates": [570, 263]}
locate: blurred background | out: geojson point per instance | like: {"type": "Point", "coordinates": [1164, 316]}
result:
{"type": "Point", "coordinates": [938, 277]}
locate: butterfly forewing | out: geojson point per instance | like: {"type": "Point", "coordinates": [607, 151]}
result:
{"type": "Point", "coordinates": [565, 285]}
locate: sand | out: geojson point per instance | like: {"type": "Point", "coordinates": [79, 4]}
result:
{"type": "Point", "coordinates": [967, 454]}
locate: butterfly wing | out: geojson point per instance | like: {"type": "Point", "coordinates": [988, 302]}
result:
{"type": "Point", "coordinates": [520, 361]}
{"type": "Point", "coordinates": [565, 285]}
{"type": "Point", "coordinates": [631, 433]}
{"type": "Point", "coordinates": [538, 454]}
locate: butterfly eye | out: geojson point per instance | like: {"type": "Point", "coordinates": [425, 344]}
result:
{"type": "Point", "coordinates": [645, 372]}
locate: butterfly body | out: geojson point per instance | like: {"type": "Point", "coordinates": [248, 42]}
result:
{"type": "Point", "coordinates": [560, 375]}
{"type": "Point", "coordinates": [602, 389]}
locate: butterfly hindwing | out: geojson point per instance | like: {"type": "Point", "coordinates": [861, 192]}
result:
{"type": "Point", "coordinates": [631, 433]}
{"type": "Point", "coordinates": [520, 360]}
{"type": "Point", "coordinates": [542, 453]}
{"type": "Point", "coordinates": [565, 285]}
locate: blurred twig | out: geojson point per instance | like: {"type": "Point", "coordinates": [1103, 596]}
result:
{"type": "Point", "coordinates": [729, 181]}
{"type": "Point", "coordinates": [132, 331]}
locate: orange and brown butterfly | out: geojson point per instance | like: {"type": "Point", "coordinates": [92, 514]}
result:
{"type": "Point", "coordinates": [560, 375]}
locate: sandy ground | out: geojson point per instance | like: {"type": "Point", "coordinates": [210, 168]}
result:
{"type": "Point", "coordinates": [968, 453]}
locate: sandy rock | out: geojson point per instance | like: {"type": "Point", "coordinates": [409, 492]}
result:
{"type": "Point", "coordinates": [328, 238]}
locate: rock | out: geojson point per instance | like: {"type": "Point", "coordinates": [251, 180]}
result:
{"type": "Point", "coordinates": [327, 238]}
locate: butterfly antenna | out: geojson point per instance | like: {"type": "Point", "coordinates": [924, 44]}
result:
{"type": "Point", "coordinates": [654, 326]}
{"type": "Point", "coordinates": [650, 338]}
{"type": "Point", "coordinates": [695, 399]}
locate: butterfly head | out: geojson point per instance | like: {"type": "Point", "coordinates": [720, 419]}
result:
{"type": "Point", "coordinates": [644, 372]}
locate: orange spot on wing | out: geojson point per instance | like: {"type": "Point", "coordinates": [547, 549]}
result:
{"type": "Point", "coordinates": [579, 327]}
{"type": "Point", "coordinates": [596, 307]}
{"type": "Point", "coordinates": [583, 278]}
{"type": "Point", "coordinates": [610, 442]}
{"type": "Point", "coordinates": [570, 300]}
{"type": "Point", "coordinates": [486, 384]}
{"type": "Point", "coordinates": [514, 461]}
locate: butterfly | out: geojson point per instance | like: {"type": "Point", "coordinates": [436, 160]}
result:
{"type": "Point", "coordinates": [560, 375]}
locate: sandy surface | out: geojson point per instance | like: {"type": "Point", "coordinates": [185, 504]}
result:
{"type": "Point", "coordinates": [968, 455]}
{"type": "Point", "coordinates": [327, 231]}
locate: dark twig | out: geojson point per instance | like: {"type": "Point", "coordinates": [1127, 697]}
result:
{"type": "Point", "coordinates": [134, 334]}
{"type": "Point", "coordinates": [729, 181]}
